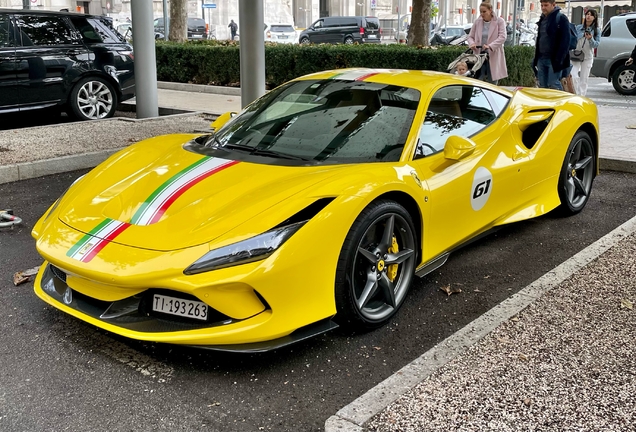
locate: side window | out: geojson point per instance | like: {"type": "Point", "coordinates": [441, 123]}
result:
{"type": "Point", "coordinates": [40, 30]}
{"type": "Point", "coordinates": [607, 31]}
{"type": "Point", "coordinates": [6, 32]}
{"type": "Point", "coordinates": [93, 30]}
{"type": "Point", "coordinates": [498, 102]}
{"type": "Point", "coordinates": [318, 24]}
{"type": "Point", "coordinates": [631, 26]}
{"type": "Point", "coordinates": [453, 110]}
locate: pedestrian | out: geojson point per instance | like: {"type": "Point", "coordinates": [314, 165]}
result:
{"type": "Point", "coordinates": [589, 37]}
{"type": "Point", "coordinates": [233, 28]}
{"type": "Point", "coordinates": [630, 60]}
{"type": "Point", "coordinates": [551, 54]}
{"type": "Point", "coordinates": [489, 32]}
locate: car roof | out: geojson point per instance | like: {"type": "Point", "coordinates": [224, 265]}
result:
{"type": "Point", "coordinates": [46, 12]}
{"type": "Point", "coordinates": [417, 79]}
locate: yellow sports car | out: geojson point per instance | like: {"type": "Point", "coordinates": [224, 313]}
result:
{"type": "Point", "coordinates": [314, 207]}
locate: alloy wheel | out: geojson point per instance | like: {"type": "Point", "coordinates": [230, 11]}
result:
{"type": "Point", "coordinates": [580, 172]}
{"type": "Point", "coordinates": [95, 100]}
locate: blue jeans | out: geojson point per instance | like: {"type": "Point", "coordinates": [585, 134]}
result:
{"type": "Point", "coordinates": [548, 78]}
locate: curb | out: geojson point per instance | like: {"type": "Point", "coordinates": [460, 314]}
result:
{"type": "Point", "coordinates": [623, 165]}
{"type": "Point", "coordinates": [355, 415]}
{"type": "Point", "coordinates": [199, 88]}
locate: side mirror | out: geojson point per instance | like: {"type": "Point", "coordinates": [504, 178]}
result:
{"type": "Point", "coordinates": [458, 147]}
{"type": "Point", "coordinates": [221, 120]}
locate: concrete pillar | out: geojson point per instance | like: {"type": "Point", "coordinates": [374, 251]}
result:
{"type": "Point", "coordinates": [145, 60]}
{"type": "Point", "coordinates": [252, 51]}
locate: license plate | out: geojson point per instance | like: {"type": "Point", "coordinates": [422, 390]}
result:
{"type": "Point", "coordinates": [372, 36]}
{"type": "Point", "coordinates": [180, 307]}
{"type": "Point", "coordinates": [197, 36]}
{"type": "Point", "coordinates": [282, 37]}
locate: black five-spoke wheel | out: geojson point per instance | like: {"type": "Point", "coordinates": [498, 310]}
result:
{"type": "Point", "coordinates": [577, 174]}
{"type": "Point", "coordinates": [376, 266]}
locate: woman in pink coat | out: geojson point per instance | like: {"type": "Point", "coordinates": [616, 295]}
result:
{"type": "Point", "coordinates": [489, 31]}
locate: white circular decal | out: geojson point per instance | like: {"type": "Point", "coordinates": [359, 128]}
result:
{"type": "Point", "coordinates": [482, 186]}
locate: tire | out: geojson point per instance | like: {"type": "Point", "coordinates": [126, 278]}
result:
{"type": "Point", "coordinates": [369, 290]}
{"type": "Point", "coordinates": [93, 98]}
{"type": "Point", "coordinates": [624, 80]}
{"type": "Point", "coordinates": [348, 40]}
{"type": "Point", "coordinates": [577, 174]}
{"type": "Point", "coordinates": [304, 41]}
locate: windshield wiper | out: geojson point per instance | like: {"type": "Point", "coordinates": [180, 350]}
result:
{"type": "Point", "coordinates": [272, 153]}
{"type": "Point", "coordinates": [261, 152]}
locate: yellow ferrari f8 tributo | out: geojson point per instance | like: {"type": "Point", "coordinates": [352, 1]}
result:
{"type": "Point", "coordinates": [316, 206]}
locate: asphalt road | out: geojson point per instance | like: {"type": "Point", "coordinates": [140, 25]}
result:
{"type": "Point", "coordinates": [61, 374]}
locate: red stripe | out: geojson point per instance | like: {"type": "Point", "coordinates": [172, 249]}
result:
{"type": "Point", "coordinates": [102, 244]}
{"type": "Point", "coordinates": [184, 188]}
{"type": "Point", "coordinates": [363, 77]}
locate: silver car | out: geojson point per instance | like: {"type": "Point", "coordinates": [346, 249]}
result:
{"type": "Point", "coordinates": [617, 42]}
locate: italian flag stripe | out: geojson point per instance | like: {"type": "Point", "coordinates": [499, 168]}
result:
{"type": "Point", "coordinates": [151, 210]}
{"type": "Point", "coordinates": [174, 187]}
{"type": "Point", "coordinates": [355, 75]}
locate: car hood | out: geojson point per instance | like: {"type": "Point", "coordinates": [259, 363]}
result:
{"type": "Point", "coordinates": [168, 200]}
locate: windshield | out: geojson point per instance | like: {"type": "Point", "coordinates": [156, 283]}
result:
{"type": "Point", "coordinates": [328, 121]}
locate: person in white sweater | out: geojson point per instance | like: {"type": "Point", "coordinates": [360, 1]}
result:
{"type": "Point", "coordinates": [589, 36]}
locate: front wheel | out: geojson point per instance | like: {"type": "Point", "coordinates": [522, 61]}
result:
{"type": "Point", "coordinates": [376, 266]}
{"type": "Point", "coordinates": [93, 98]}
{"type": "Point", "coordinates": [304, 41]}
{"type": "Point", "coordinates": [624, 80]}
{"type": "Point", "coordinates": [577, 174]}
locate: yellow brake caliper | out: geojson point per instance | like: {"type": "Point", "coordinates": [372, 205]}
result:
{"type": "Point", "coordinates": [391, 271]}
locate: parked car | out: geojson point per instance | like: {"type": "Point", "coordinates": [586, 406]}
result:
{"type": "Point", "coordinates": [197, 29]}
{"type": "Point", "coordinates": [618, 39]}
{"type": "Point", "coordinates": [367, 178]}
{"type": "Point", "coordinates": [280, 33]}
{"type": "Point", "coordinates": [76, 62]}
{"type": "Point", "coordinates": [342, 29]}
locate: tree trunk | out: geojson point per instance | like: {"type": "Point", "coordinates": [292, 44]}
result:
{"type": "Point", "coordinates": [420, 28]}
{"type": "Point", "coordinates": [178, 21]}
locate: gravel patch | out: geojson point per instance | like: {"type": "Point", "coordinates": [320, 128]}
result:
{"type": "Point", "coordinates": [565, 363]}
{"type": "Point", "coordinates": [17, 145]}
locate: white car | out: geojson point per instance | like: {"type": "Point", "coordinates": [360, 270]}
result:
{"type": "Point", "coordinates": [281, 33]}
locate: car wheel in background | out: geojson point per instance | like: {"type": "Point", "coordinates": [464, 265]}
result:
{"type": "Point", "coordinates": [93, 98]}
{"type": "Point", "coordinates": [376, 266]}
{"type": "Point", "coordinates": [577, 174]}
{"type": "Point", "coordinates": [348, 40]}
{"type": "Point", "coordinates": [624, 80]}
{"type": "Point", "coordinates": [304, 41]}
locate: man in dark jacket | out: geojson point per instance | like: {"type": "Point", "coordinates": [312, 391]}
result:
{"type": "Point", "coordinates": [552, 49]}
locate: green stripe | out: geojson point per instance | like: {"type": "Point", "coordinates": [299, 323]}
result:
{"type": "Point", "coordinates": [87, 237]}
{"type": "Point", "coordinates": [161, 188]}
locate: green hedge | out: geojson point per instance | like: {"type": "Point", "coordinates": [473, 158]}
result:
{"type": "Point", "coordinates": [217, 62]}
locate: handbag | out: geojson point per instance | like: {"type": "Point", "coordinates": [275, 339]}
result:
{"type": "Point", "coordinates": [578, 54]}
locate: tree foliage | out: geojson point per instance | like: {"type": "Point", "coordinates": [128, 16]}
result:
{"type": "Point", "coordinates": [419, 31]}
{"type": "Point", "coordinates": [178, 21]}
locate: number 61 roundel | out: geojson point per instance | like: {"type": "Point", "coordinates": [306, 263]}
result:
{"type": "Point", "coordinates": [482, 187]}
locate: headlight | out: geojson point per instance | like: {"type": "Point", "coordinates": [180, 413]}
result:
{"type": "Point", "coordinates": [246, 251]}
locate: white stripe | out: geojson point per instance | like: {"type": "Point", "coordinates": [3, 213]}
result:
{"type": "Point", "coordinates": [97, 238]}
{"type": "Point", "coordinates": [160, 199]}
{"type": "Point", "coordinates": [355, 74]}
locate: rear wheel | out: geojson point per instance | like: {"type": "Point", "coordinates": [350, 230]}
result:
{"type": "Point", "coordinates": [376, 266]}
{"type": "Point", "coordinates": [93, 98]}
{"type": "Point", "coordinates": [348, 40]}
{"type": "Point", "coordinates": [577, 174]}
{"type": "Point", "coordinates": [624, 80]}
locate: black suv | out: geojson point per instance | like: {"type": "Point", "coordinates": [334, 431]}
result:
{"type": "Point", "coordinates": [197, 29]}
{"type": "Point", "coordinates": [58, 59]}
{"type": "Point", "coordinates": [343, 29]}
